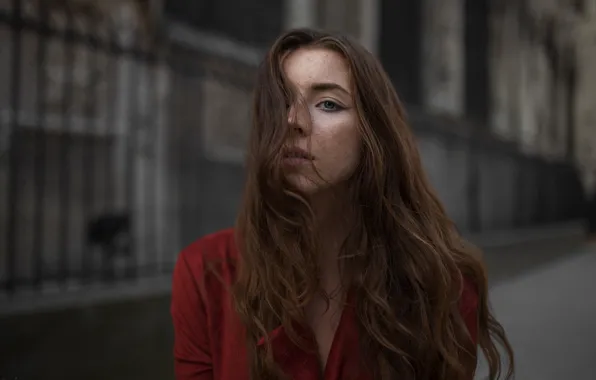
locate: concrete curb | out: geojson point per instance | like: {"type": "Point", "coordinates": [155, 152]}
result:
{"type": "Point", "coordinates": [572, 230]}
{"type": "Point", "coordinates": [91, 295]}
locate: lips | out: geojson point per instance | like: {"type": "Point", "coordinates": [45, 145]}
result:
{"type": "Point", "coordinates": [297, 153]}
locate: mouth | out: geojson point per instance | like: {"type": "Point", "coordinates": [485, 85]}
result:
{"type": "Point", "coordinates": [297, 154]}
{"type": "Point", "coordinates": [297, 157]}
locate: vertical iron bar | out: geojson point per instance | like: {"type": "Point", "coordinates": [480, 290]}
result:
{"type": "Point", "coordinates": [13, 148]}
{"type": "Point", "coordinates": [66, 145]}
{"type": "Point", "coordinates": [91, 137]}
{"type": "Point", "coordinates": [175, 214]}
{"type": "Point", "coordinates": [151, 145]}
{"type": "Point", "coordinates": [107, 265]}
{"type": "Point", "coordinates": [132, 151]}
{"type": "Point", "coordinates": [40, 145]}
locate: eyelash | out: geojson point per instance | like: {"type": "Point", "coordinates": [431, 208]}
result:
{"type": "Point", "coordinates": [337, 107]}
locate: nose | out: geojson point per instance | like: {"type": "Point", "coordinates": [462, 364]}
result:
{"type": "Point", "coordinates": [298, 117]}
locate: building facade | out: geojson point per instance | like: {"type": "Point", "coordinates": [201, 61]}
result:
{"type": "Point", "coordinates": [124, 123]}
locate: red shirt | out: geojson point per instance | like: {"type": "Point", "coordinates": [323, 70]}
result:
{"type": "Point", "coordinates": [209, 338]}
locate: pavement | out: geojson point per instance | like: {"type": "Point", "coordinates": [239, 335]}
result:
{"type": "Point", "coordinates": [545, 297]}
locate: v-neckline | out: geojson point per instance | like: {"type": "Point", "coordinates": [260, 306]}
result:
{"type": "Point", "coordinates": [334, 351]}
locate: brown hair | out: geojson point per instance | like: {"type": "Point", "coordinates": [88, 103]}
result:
{"type": "Point", "coordinates": [407, 298]}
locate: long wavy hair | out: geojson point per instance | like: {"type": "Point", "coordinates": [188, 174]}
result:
{"type": "Point", "coordinates": [404, 258]}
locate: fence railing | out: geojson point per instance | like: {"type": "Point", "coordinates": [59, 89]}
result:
{"type": "Point", "coordinates": [117, 151]}
{"type": "Point", "coordinates": [81, 111]}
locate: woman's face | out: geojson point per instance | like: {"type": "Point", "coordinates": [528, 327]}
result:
{"type": "Point", "coordinates": [325, 121]}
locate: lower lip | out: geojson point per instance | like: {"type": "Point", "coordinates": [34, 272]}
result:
{"type": "Point", "coordinates": [295, 161]}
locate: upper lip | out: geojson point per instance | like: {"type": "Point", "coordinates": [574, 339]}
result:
{"type": "Point", "coordinates": [296, 152]}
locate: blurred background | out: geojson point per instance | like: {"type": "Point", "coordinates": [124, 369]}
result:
{"type": "Point", "coordinates": [123, 127]}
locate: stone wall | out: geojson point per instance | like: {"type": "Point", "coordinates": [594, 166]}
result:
{"type": "Point", "coordinates": [443, 52]}
{"type": "Point", "coordinates": [543, 79]}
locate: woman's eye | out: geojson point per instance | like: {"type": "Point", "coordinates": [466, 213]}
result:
{"type": "Point", "coordinates": [328, 105]}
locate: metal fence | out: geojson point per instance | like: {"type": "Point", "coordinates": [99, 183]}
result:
{"type": "Point", "coordinates": [80, 118]}
{"type": "Point", "coordinates": [118, 150]}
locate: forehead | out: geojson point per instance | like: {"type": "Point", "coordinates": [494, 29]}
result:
{"type": "Point", "coordinates": [305, 66]}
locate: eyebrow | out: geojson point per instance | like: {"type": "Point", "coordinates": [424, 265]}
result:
{"type": "Point", "coordinates": [328, 86]}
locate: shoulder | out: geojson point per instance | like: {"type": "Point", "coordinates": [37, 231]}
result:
{"type": "Point", "coordinates": [200, 302]}
{"type": "Point", "coordinates": [468, 306]}
{"type": "Point", "coordinates": [216, 247]}
{"type": "Point", "coordinates": [468, 300]}
{"type": "Point", "coordinates": [208, 263]}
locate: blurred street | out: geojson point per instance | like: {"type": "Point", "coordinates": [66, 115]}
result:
{"type": "Point", "coordinates": [548, 309]}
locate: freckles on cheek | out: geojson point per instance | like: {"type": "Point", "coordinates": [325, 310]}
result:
{"type": "Point", "coordinates": [340, 146]}
{"type": "Point", "coordinates": [346, 137]}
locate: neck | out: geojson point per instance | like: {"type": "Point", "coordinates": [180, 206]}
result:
{"type": "Point", "coordinates": [333, 220]}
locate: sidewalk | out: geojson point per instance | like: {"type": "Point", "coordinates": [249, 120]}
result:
{"type": "Point", "coordinates": [549, 313]}
{"type": "Point", "coordinates": [513, 253]}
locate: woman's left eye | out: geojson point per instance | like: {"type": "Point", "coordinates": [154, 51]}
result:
{"type": "Point", "coordinates": [328, 105]}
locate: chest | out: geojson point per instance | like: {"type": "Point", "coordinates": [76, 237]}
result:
{"type": "Point", "coordinates": [324, 319]}
{"type": "Point", "coordinates": [336, 356]}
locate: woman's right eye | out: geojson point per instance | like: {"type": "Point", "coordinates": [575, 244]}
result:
{"type": "Point", "coordinates": [329, 106]}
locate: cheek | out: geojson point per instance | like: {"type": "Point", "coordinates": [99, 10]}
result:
{"type": "Point", "coordinates": [340, 144]}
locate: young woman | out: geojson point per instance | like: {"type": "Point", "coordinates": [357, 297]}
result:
{"type": "Point", "coordinates": [343, 263]}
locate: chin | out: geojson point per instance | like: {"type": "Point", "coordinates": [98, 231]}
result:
{"type": "Point", "coordinates": [304, 184]}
